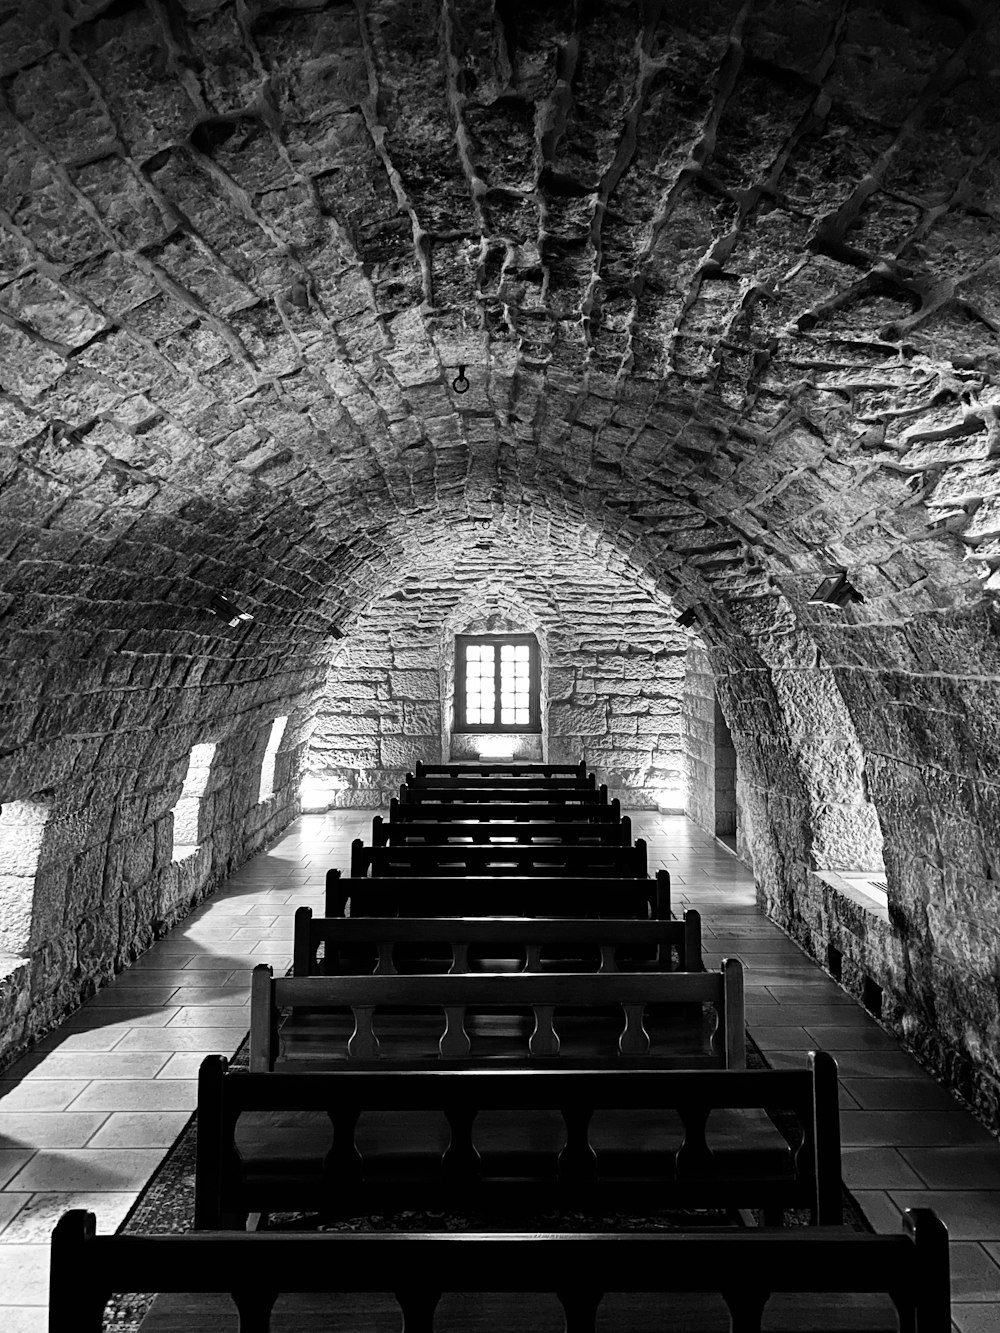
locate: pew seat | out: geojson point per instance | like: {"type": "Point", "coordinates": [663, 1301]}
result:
{"type": "Point", "coordinates": [687, 1282]}
{"type": "Point", "coordinates": [613, 1141]}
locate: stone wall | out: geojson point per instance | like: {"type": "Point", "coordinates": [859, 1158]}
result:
{"type": "Point", "coordinates": [914, 697]}
{"type": "Point", "coordinates": [111, 874]}
{"type": "Point", "coordinates": [613, 669]}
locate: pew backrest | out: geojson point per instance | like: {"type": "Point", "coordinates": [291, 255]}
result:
{"type": "Point", "coordinates": [515, 769]}
{"type": "Point", "coordinates": [590, 861]}
{"type": "Point", "coordinates": [449, 782]}
{"type": "Point", "coordinates": [697, 1154]}
{"type": "Point", "coordinates": [506, 895]}
{"type": "Point", "coordinates": [745, 1267]}
{"type": "Point", "coordinates": [614, 943]}
{"type": "Point", "coordinates": [333, 1018]}
{"type": "Point", "coordinates": [564, 832]}
{"type": "Point", "coordinates": [518, 792]}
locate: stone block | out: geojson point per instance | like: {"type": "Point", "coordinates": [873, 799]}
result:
{"type": "Point", "coordinates": [403, 752]}
{"type": "Point", "coordinates": [421, 719]}
{"type": "Point", "coordinates": [418, 685]}
{"type": "Point", "coordinates": [572, 720]}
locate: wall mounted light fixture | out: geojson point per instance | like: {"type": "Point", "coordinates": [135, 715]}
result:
{"type": "Point", "coordinates": [460, 384]}
{"type": "Point", "coordinates": [226, 610]}
{"type": "Point", "coordinates": [688, 619]}
{"type": "Point", "coordinates": [835, 590]}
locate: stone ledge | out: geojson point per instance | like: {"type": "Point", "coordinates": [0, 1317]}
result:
{"type": "Point", "coordinates": [859, 888]}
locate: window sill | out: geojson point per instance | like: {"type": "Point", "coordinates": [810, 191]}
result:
{"type": "Point", "coordinates": [861, 888]}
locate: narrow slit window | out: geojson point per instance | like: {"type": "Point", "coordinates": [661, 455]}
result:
{"type": "Point", "coordinates": [187, 811]}
{"type": "Point", "coordinates": [496, 683]}
{"type": "Point", "coordinates": [270, 755]}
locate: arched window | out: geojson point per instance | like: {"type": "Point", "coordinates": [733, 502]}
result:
{"type": "Point", "coordinates": [497, 683]}
{"type": "Point", "coordinates": [270, 755]}
{"type": "Point", "coordinates": [22, 826]}
{"type": "Point", "coordinates": [187, 811]}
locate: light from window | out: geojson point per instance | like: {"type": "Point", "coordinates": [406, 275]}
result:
{"type": "Point", "coordinates": [497, 683]}
{"type": "Point", "coordinates": [22, 827]}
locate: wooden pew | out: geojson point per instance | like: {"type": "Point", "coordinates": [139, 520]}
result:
{"type": "Point", "coordinates": [507, 895]}
{"type": "Point", "coordinates": [520, 793]}
{"type": "Point", "coordinates": [568, 833]}
{"type": "Point", "coordinates": [451, 944]}
{"type": "Point", "coordinates": [603, 1141]}
{"type": "Point", "coordinates": [534, 784]}
{"type": "Point", "coordinates": [591, 861]}
{"type": "Point", "coordinates": [672, 1271]}
{"type": "Point", "coordinates": [414, 812]}
{"type": "Point", "coordinates": [600, 1019]}
{"type": "Point", "coordinates": [514, 769]}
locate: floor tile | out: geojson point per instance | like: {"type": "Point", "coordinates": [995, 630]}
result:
{"type": "Point", "coordinates": [146, 1129]}
{"type": "Point", "coordinates": [24, 1274]}
{"type": "Point", "coordinates": [877, 1169]}
{"type": "Point", "coordinates": [34, 1223]}
{"type": "Point", "coordinates": [974, 1274]}
{"type": "Point", "coordinates": [970, 1166]}
{"type": "Point", "coordinates": [968, 1214]}
{"type": "Point", "coordinates": [100, 1170]}
{"type": "Point", "coordinates": [139, 1094]}
{"type": "Point", "coordinates": [100, 1064]}
{"type": "Point", "coordinates": [900, 1094]}
{"type": "Point", "coordinates": [48, 1129]}
{"type": "Point", "coordinates": [38, 1094]}
{"type": "Point", "coordinates": [911, 1128]}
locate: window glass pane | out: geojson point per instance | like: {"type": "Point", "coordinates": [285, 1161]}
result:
{"type": "Point", "coordinates": [521, 716]}
{"type": "Point", "coordinates": [507, 717]}
{"type": "Point", "coordinates": [472, 653]}
{"type": "Point", "coordinates": [522, 652]}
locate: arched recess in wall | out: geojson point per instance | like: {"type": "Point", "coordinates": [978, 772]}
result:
{"type": "Point", "coordinates": [22, 829]}
{"type": "Point", "coordinates": [494, 610]}
{"type": "Point", "coordinates": [815, 833]}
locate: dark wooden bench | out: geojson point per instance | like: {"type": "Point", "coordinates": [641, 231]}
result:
{"type": "Point", "coordinates": [604, 1141]}
{"type": "Point", "coordinates": [669, 1273]}
{"type": "Point", "coordinates": [680, 1020]}
{"type": "Point", "coordinates": [591, 861]}
{"type": "Point", "coordinates": [514, 769]}
{"type": "Point", "coordinates": [507, 895]}
{"type": "Point", "coordinates": [383, 945]}
{"type": "Point", "coordinates": [520, 792]}
{"type": "Point", "coordinates": [567, 833]}
{"type": "Point", "coordinates": [414, 812]}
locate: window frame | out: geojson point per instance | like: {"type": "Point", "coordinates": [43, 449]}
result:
{"type": "Point", "coordinates": [534, 724]}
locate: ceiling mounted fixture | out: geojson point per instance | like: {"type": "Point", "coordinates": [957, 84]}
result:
{"type": "Point", "coordinates": [835, 591]}
{"type": "Point", "coordinates": [460, 384]}
{"type": "Point", "coordinates": [226, 610]}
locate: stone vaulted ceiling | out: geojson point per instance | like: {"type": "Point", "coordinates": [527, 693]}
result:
{"type": "Point", "coordinates": [723, 275]}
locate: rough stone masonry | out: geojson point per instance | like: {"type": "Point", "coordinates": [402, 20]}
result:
{"type": "Point", "coordinates": [723, 276]}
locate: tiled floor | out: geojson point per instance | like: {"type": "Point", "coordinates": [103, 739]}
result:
{"type": "Point", "coordinates": [87, 1116]}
